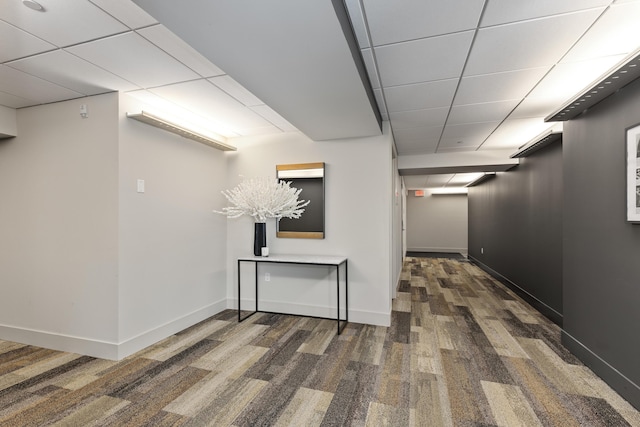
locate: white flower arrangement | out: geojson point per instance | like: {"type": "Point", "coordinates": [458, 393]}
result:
{"type": "Point", "coordinates": [263, 198]}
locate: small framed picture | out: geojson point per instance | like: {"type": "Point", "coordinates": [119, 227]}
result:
{"type": "Point", "coordinates": [633, 173]}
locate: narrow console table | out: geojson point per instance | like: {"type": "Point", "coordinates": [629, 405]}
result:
{"type": "Point", "coordinates": [334, 261]}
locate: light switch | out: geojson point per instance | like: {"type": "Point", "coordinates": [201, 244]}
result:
{"type": "Point", "coordinates": [141, 186]}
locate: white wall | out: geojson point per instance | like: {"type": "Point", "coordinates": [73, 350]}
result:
{"type": "Point", "coordinates": [172, 246]}
{"type": "Point", "coordinates": [397, 236]}
{"type": "Point", "coordinates": [58, 227]}
{"type": "Point", "coordinates": [437, 223]}
{"type": "Point", "coordinates": [358, 209]}
{"type": "Point", "coordinates": [8, 122]}
{"type": "Point", "coordinates": [88, 264]}
{"type": "Point", "coordinates": [91, 266]}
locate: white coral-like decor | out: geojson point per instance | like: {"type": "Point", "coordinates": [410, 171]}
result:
{"type": "Point", "coordinates": [263, 198]}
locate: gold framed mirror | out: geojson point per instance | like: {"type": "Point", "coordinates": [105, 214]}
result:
{"type": "Point", "coordinates": [310, 178]}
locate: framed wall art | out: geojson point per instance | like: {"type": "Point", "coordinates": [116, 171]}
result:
{"type": "Point", "coordinates": [633, 173]}
{"type": "Point", "coordinates": [310, 178]}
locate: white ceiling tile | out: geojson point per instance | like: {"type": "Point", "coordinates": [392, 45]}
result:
{"type": "Point", "coordinates": [514, 133]}
{"type": "Point", "coordinates": [503, 11]}
{"type": "Point", "coordinates": [439, 179]}
{"type": "Point", "coordinates": [464, 178]}
{"type": "Point", "coordinates": [614, 33]}
{"type": "Point", "coordinates": [532, 107]}
{"type": "Point", "coordinates": [434, 58]}
{"type": "Point", "coordinates": [16, 43]}
{"type": "Point", "coordinates": [511, 85]}
{"type": "Point", "coordinates": [528, 44]}
{"type": "Point", "coordinates": [60, 23]}
{"type": "Point", "coordinates": [122, 56]}
{"type": "Point", "coordinates": [13, 101]}
{"type": "Point", "coordinates": [268, 113]}
{"type": "Point", "coordinates": [419, 118]}
{"type": "Point", "coordinates": [382, 106]}
{"type": "Point", "coordinates": [370, 65]}
{"type": "Point", "coordinates": [204, 98]}
{"type": "Point", "coordinates": [468, 134]}
{"type": "Point", "coordinates": [420, 96]}
{"type": "Point", "coordinates": [127, 12]}
{"type": "Point", "coordinates": [25, 86]}
{"type": "Point", "coordinates": [567, 79]}
{"type": "Point", "coordinates": [357, 21]}
{"type": "Point", "coordinates": [469, 143]}
{"type": "Point", "coordinates": [484, 112]}
{"type": "Point", "coordinates": [456, 148]}
{"type": "Point", "coordinates": [415, 181]}
{"type": "Point", "coordinates": [264, 130]}
{"type": "Point", "coordinates": [233, 88]}
{"type": "Point", "coordinates": [86, 78]}
{"type": "Point", "coordinates": [422, 140]}
{"type": "Point", "coordinates": [176, 47]}
{"type": "Point", "coordinates": [561, 84]}
{"type": "Point", "coordinates": [416, 19]}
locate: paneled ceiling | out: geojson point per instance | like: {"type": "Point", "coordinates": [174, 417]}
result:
{"type": "Point", "coordinates": [458, 75]}
{"type": "Point", "coordinates": [450, 76]}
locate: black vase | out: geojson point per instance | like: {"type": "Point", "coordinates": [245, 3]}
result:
{"type": "Point", "coordinates": [259, 238]}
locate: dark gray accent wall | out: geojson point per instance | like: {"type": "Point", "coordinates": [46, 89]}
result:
{"type": "Point", "coordinates": [601, 250]}
{"type": "Point", "coordinates": [515, 228]}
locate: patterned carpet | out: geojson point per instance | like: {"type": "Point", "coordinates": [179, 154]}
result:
{"type": "Point", "coordinates": [462, 351]}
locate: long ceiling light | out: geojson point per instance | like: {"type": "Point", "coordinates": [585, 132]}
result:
{"type": "Point", "coordinates": [482, 178]}
{"type": "Point", "coordinates": [165, 124]}
{"type": "Point", "coordinates": [537, 143]}
{"type": "Point", "coordinates": [448, 190]}
{"type": "Point", "coordinates": [623, 73]}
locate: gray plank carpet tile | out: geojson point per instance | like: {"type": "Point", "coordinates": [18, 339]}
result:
{"type": "Point", "coordinates": [462, 350]}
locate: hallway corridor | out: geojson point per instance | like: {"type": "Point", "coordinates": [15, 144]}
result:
{"type": "Point", "coordinates": [462, 350]}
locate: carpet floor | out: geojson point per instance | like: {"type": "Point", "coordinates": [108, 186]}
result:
{"type": "Point", "coordinates": [462, 350]}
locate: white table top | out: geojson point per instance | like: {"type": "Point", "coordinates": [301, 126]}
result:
{"type": "Point", "coordinates": [297, 259]}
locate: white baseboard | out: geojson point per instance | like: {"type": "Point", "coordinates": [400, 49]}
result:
{"type": "Point", "coordinates": [355, 316]}
{"type": "Point", "coordinates": [61, 342]}
{"type": "Point", "coordinates": [145, 339]}
{"type": "Point", "coordinates": [394, 294]}
{"type": "Point", "coordinates": [105, 349]}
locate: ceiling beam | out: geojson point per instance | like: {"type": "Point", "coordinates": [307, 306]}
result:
{"type": "Point", "coordinates": [469, 161]}
{"type": "Point", "coordinates": [299, 57]}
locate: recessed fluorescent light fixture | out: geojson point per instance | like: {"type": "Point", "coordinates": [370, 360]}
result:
{"type": "Point", "coordinates": [620, 75]}
{"type": "Point", "coordinates": [448, 190]}
{"type": "Point", "coordinates": [537, 143]}
{"type": "Point", "coordinates": [167, 125]}
{"type": "Point", "coordinates": [482, 178]}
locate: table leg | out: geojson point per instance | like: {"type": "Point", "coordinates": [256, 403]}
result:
{"type": "Point", "coordinates": [239, 298]}
{"type": "Point", "coordinates": [346, 291]}
{"type": "Point", "coordinates": [240, 319]}
{"type": "Point", "coordinates": [338, 293]}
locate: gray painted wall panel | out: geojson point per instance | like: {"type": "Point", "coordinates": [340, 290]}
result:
{"type": "Point", "coordinates": [515, 228]}
{"type": "Point", "coordinates": [601, 270]}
